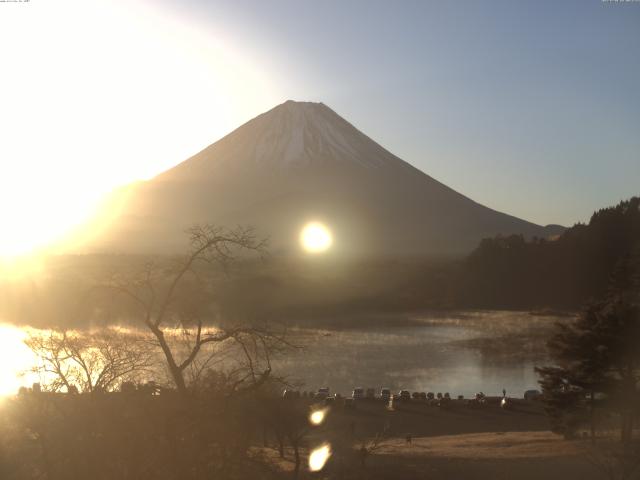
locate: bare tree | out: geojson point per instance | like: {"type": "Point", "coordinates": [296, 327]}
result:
{"type": "Point", "coordinates": [288, 419]}
{"type": "Point", "coordinates": [173, 304]}
{"type": "Point", "coordinates": [90, 361]}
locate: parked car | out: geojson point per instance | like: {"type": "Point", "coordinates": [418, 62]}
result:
{"type": "Point", "coordinates": [479, 399]}
{"type": "Point", "coordinates": [596, 396]}
{"type": "Point", "coordinates": [322, 393]}
{"type": "Point", "coordinates": [532, 395]}
{"type": "Point", "coordinates": [358, 393]}
{"type": "Point", "coordinates": [404, 395]}
{"type": "Point", "coordinates": [415, 396]}
{"type": "Point", "coordinates": [370, 394]}
{"type": "Point", "coordinates": [385, 394]}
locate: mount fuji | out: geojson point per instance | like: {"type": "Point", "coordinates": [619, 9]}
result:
{"type": "Point", "coordinates": [302, 162]}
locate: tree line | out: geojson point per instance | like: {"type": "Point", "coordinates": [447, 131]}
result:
{"type": "Point", "coordinates": [508, 272]}
{"type": "Point", "coordinates": [564, 272]}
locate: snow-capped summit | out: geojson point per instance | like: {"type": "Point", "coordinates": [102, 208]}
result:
{"type": "Point", "coordinates": [291, 135]}
{"type": "Point", "coordinates": [298, 162]}
{"type": "Point", "coordinates": [302, 133]}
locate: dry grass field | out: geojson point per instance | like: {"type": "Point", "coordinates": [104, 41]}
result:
{"type": "Point", "coordinates": [461, 442]}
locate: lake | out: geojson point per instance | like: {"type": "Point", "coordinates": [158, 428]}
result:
{"type": "Point", "coordinates": [460, 352]}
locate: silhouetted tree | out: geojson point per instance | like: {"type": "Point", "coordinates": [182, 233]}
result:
{"type": "Point", "coordinates": [288, 420]}
{"type": "Point", "coordinates": [596, 355]}
{"type": "Point", "coordinates": [90, 361]}
{"type": "Point", "coordinates": [565, 272]}
{"type": "Point", "coordinates": [173, 303]}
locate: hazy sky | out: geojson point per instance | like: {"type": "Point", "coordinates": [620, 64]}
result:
{"type": "Point", "coordinates": [531, 108]}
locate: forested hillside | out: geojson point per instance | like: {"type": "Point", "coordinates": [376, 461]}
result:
{"type": "Point", "coordinates": [565, 272]}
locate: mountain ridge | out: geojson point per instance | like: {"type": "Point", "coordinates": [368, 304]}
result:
{"type": "Point", "coordinates": [301, 161]}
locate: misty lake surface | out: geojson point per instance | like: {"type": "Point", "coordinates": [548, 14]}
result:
{"type": "Point", "coordinates": [461, 353]}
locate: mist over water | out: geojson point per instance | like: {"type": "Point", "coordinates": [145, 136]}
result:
{"type": "Point", "coordinates": [459, 352]}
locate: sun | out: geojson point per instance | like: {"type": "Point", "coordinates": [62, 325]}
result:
{"type": "Point", "coordinates": [316, 237]}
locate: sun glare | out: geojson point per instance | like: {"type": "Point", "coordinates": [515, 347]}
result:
{"type": "Point", "coordinates": [102, 102]}
{"type": "Point", "coordinates": [317, 417]}
{"type": "Point", "coordinates": [316, 238]}
{"type": "Point", "coordinates": [318, 458]}
{"type": "Point", "coordinates": [16, 360]}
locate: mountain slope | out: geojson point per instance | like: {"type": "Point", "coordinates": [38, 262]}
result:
{"type": "Point", "coordinates": [299, 162]}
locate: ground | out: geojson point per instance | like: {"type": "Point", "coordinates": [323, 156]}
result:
{"type": "Point", "coordinates": [460, 442]}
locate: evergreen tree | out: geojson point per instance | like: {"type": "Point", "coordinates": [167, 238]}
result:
{"type": "Point", "coordinates": [512, 272]}
{"type": "Point", "coordinates": [597, 359]}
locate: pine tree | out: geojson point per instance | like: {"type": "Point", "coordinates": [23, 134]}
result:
{"type": "Point", "coordinates": [597, 359]}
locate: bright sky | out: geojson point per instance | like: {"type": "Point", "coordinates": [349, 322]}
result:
{"type": "Point", "coordinates": [96, 94]}
{"type": "Point", "coordinates": [531, 108]}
